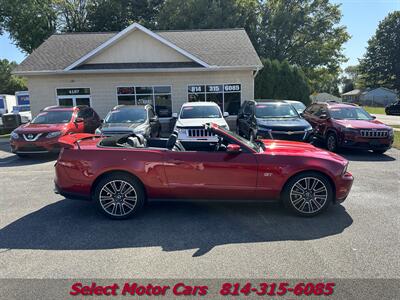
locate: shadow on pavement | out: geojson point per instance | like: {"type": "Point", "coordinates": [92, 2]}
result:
{"type": "Point", "coordinates": [15, 161]}
{"type": "Point", "coordinates": [360, 155]}
{"type": "Point", "coordinates": [172, 225]}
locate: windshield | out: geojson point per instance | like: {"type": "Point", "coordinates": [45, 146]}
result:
{"type": "Point", "coordinates": [197, 112]}
{"type": "Point", "coordinates": [53, 117]}
{"type": "Point", "coordinates": [274, 110]}
{"type": "Point", "coordinates": [135, 115]}
{"type": "Point", "coordinates": [249, 144]}
{"type": "Point", "coordinates": [349, 113]}
{"type": "Point", "coordinates": [298, 106]}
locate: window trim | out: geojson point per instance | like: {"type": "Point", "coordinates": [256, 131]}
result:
{"type": "Point", "coordinates": [153, 94]}
{"type": "Point", "coordinates": [74, 97]}
{"type": "Point", "coordinates": [223, 92]}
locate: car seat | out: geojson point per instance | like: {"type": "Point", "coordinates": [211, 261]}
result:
{"type": "Point", "coordinates": [173, 143]}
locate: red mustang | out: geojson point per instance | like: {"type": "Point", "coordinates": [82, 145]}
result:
{"type": "Point", "coordinates": [121, 173]}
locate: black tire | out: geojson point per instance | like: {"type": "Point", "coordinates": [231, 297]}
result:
{"type": "Point", "coordinates": [332, 142]}
{"type": "Point", "coordinates": [123, 209]}
{"type": "Point", "coordinates": [379, 151]}
{"type": "Point", "coordinates": [292, 203]}
{"type": "Point", "coordinates": [20, 155]}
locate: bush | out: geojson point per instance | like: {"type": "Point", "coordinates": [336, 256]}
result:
{"type": "Point", "coordinates": [279, 80]}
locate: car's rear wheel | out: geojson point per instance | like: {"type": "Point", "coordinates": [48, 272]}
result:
{"type": "Point", "coordinates": [332, 142]}
{"type": "Point", "coordinates": [308, 194]}
{"type": "Point", "coordinates": [119, 196]}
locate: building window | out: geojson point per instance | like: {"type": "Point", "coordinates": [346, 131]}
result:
{"type": "Point", "coordinates": [158, 96]}
{"type": "Point", "coordinates": [73, 96]}
{"type": "Point", "coordinates": [227, 96]}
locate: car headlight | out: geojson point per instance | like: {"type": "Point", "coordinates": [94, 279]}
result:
{"type": "Point", "coordinates": [97, 131]}
{"type": "Point", "coordinates": [14, 135]}
{"type": "Point", "coordinates": [350, 130]}
{"type": "Point", "coordinates": [53, 134]}
{"type": "Point", "coordinates": [309, 129]}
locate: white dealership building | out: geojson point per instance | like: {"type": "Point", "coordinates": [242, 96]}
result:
{"type": "Point", "coordinates": [140, 66]}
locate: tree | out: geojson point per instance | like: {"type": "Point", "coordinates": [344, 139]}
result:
{"type": "Point", "coordinates": [115, 15]}
{"type": "Point", "coordinates": [279, 80]}
{"type": "Point", "coordinates": [9, 84]}
{"type": "Point", "coordinates": [305, 33]}
{"type": "Point", "coordinates": [380, 65]}
{"type": "Point", "coordinates": [72, 14]}
{"type": "Point", "coordinates": [29, 22]}
{"type": "Point", "coordinates": [209, 14]}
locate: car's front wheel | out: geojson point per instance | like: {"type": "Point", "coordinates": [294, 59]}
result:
{"type": "Point", "coordinates": [308, 194]}
{"type": "Point", "coordinates": [332, 142]}
{"type": "Point", "coordinates": [119, 196]}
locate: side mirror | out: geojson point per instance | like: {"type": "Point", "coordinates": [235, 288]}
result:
{"type": "Point", "coordinates": [79, 120]}
{"type": "Point", "coordinates": [233, 149]}
{"type": "Point", "coordinates": [175, 115]}
{"type": "Point", "coordinates": [226, 114]}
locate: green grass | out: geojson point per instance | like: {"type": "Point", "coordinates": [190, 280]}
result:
{"type": "Point", "coordinates": [375, 110]}
{"type": "Point", "coordinates": [396, 143]}
{"type": "Point", "coordinates": [5, 136]}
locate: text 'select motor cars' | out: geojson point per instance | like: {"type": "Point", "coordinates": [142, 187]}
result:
{"type": "Point", "coordinates": [269, 119]}
{"type": "Point", "coordinates": [192, 118]}
{"type": "Point", "coordinates": [42, 133]}
{"type": "Point", "coordinates": [121, 173]}
{"type": "Point", "coordinates": [343, 125]}
{"type": "Point", "coordinates": [125, 119]}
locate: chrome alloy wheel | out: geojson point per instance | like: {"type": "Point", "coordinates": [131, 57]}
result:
{"type": "Point", "coordinates": [118, 198]}
{"type": "Point", "coordinates": [308, 195]}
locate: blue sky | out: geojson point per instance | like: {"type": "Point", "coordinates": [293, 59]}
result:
{"type": "Point", "coordinates": [360, 16]}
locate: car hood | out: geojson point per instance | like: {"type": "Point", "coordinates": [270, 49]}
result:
{"type": "Point", "coordinates": [283, 124]}
{"type": "Point", "coordinates": [119, 126]}
{"type": "Point", "coordinates": [36, 128]}
{"type": "Point", "coordinates": [362, 124]}
{"type": "Point", "coordinates": [200, 122]}
{"type": "Point", "coordinates": [281, 147]}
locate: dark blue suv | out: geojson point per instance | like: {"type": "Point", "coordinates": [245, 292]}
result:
{"type": "Point", "coordinates": [269, 119]}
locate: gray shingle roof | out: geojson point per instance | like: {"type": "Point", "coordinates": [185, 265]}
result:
{"type": "Point", "coordinates": [224, 48]}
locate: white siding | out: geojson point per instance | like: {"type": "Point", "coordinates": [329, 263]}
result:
{"type": "Point", "coordinates": [138, 47]}
{"type": "Point", "coordinates": [42, 89]}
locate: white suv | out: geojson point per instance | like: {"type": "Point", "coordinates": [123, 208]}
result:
{"type": "Point", "coordinates": [193, 116]}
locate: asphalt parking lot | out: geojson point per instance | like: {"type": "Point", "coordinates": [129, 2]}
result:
{"type": "Point", "coordinates": [43, 235]}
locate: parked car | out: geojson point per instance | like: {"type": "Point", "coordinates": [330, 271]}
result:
{"type": "Point", "coordinates": [299, 106]}
{"type": "Point", "coordinates": [266, 119]}
{"type": "Point", "coordinates": [24, 111]}
{"type": "Point", "coordinates": [393, 109]}
{"type": "Point", "coordinates": [307, 179]}
{"type": "Point", "coordinates": [41, 135]}
{"type": "Point", "coordinates": [192, 117]}
{"type": "Point", "coordinates": [343, 125]}
{"type": "Point", "coordinates": [124, 119]}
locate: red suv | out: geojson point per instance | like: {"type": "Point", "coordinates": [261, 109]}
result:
{"type": "Point", "coordinates": [42, 133]}
{"type": "Point", "coordinates": [343, 125]}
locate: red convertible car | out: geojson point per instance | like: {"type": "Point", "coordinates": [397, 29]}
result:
{"type": "Point", "coordinates": [120, 173]}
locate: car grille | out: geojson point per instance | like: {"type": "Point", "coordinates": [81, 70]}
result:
{"type": "Point", "coordinates": [288, 135]}
{"type": "Point", "coordinates": [32, 136]}
{"type": "Point", "coordinates": [198, 133]}
{"type": "Point", "coordinates": [374, 133]}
